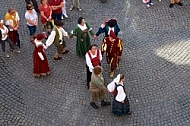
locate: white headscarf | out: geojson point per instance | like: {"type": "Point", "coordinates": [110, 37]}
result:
{"type": "Point", "coordinates": [111, 86]}
{"type": "Point", "coordinates": [1, 21]}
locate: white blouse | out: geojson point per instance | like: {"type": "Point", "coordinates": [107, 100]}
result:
{"type": "Point", "coordinates": [3, 31]}
{"type": "Point", "coordinates": [31, 16]}
{"type": "Point", "coordinates": [121, 94]}
{"type": "Point", "coordinates": [51, 37]}
{"type": "Point", "coordinates": [88, 61]}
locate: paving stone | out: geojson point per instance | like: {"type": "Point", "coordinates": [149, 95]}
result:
{"type": "Point", "coordinates": [155, 62]}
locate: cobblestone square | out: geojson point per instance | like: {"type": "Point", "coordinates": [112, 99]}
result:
{"type": "Point", "coordinates": [155, 61]}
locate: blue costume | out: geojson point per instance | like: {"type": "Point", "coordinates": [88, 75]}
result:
{"type": "Point", "coordinates": [111, 24]}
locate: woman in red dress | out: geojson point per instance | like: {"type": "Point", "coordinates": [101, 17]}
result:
{"type": "Point", "coordinates": [41, 67]}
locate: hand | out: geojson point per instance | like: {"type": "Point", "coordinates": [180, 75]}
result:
{"type": "Point", "coordinates": [122, 101]}
{"type": "Point", "coordinates": [119, 57]}
{"type": "Point", "coordinates": [15, 28]}
{"type": "Point", "coordinates": [36, 23]}
{"type": "Point", "coordinates": [108, 91]}
{"type": "Point", "coordinates": [68, 37]}
{"type": "Point", "coordinates": [94, 36]}
{"type": "Point", "coordinates": [46, 47]}
{"type": "Point", "coordinates": [5, 34]}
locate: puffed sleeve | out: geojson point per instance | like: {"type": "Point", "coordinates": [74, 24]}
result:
{"type": "Point", "coordinates": [120, 95]}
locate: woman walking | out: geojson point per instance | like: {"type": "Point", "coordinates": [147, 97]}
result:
{"type": "Point", "coordinates": [120, 104]}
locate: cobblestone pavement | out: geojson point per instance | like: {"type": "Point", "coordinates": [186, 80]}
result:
{"type": "Point", "coordinates": [156, 63]}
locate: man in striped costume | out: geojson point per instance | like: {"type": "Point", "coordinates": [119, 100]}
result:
{"type": "Point", "coordinates": [113, 47]}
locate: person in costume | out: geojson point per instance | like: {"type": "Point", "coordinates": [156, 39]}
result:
{"type": "Point", "coordinates": [5, 38]}
{"type": "Point", "coordinates": [57, 37]}
{"type": "Point", "coordinates": [97, 88]}
{"type": "Point", "coordinates": [32, 21]}
{"type": "Point", "coordinates": [107, 26]}
{"type": "Point", "coordinates": [120, 104]}
{"type": "Point", "coordinates": [172, 2]}
{"type": "Point", "coordinates": [113, 47]}
{"type": "Point", "coordinates": [83, 38]}
{"type": "Point", "coordinates": [93, 58]}
{"type": "Point", "coordinates": [40, 62]}
{"type": "Point", "coordinates": [12, 21]}
{"type": "Point", "coordinates": [46, 12]}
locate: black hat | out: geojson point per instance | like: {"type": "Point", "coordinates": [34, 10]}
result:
{"type": "Point", "coordinates": [112, 22]}
{"type": "Point", "coordinates": [58, 23]}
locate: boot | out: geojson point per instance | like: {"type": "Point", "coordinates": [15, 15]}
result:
{"type": "Point", "coordinates": [180, 4]}
{"type": "Point", "coordinates": [111, 73]}
{"type": "Point", "coordinates": [94, 105]}
{"type": "Point", "coordinates": [103, 103]}
{"type": "Point", "coordinates": [171, 5]}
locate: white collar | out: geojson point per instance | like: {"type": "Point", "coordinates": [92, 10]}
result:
{"type": "Point", "coordinates": [82, 27]}
{"type": "Point", "coordinates": [38, 42]}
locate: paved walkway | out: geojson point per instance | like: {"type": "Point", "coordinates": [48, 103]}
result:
{"type": "Point", "coordinates": [156, 63]}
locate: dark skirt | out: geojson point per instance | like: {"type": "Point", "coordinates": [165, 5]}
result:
{"type": "Point", "coordinates": [119, 108]}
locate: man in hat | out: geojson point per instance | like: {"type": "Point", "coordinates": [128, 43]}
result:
{"type": "Point", "coordinates": [172, 2]}
{"type": "Point", "coordinates": [57, 37]}
{"type": "Point", "coordinates": [107, 26]}
{"type": "Point", "coordinates": [113, 47]}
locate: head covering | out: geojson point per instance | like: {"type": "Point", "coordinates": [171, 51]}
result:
{"type": "Point", "coordinates": [58, 23]}
{"type": "Point", "coordinates": [111, 86]}
{"type": "Point", "coordinates": [40, 36]}
{"type": "Point", "coordinates": [1, 21]}
{"type": "Point", "coordinates": [112, 22]}
{"type": "Point", "coordinates": [117, 79]}
{"type": "Point", "coordinates": [112, 34]}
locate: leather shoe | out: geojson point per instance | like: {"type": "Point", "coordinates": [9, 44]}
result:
{"type": "Point", "coordinates": [180, 4]}
{"type": "Point", "coordinates": [93, 105]}
{"type": "Point", "coordinates": [59, 58]}
{"type": "Point", "coordinates": [129, 113]}
{"type": "Point", "coordinates": [103, 103]}
{"type": "Point", "coordinates": [66, 51]}
{"type": "Point", "coordinates": [171, 5]}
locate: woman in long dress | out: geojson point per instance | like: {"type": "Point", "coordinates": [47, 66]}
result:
{"type": "Point", "coordinates": [41, 67]}
{"type": "Point", "coordinates": [83, 38]}
{"type": "Point", "coordinates": [120, 104]}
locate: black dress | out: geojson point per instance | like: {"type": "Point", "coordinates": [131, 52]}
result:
{"type": "Point", "coordinates": [120, 108]}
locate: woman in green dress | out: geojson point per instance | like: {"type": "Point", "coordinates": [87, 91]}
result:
{"type": "Point", "coordinates": [81, 31]}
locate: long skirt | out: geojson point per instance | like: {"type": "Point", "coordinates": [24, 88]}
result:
{"type": "Point", "coordinates": [41, 67]}
{"type": "Point", "coordinates": [119, 108]}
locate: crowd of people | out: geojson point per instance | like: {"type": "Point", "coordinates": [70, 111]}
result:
{"type": "Point", "coordinates": [51, 14]}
